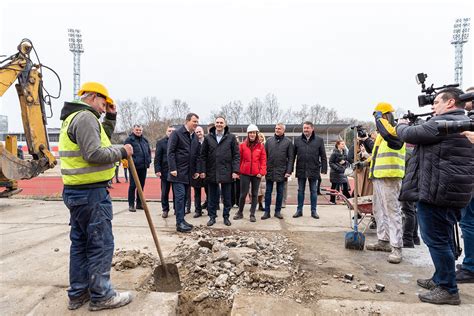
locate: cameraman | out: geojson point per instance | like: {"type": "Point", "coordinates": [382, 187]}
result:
{"type": "Point", "coordinates": [465, 271]}
{"type": "Point", "coordinates": [440, 180]}
{"type": "Point", "coordinates": [366, 144]}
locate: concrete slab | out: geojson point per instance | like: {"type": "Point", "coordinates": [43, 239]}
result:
{"type": "Point", "coordinates": [267, 306]}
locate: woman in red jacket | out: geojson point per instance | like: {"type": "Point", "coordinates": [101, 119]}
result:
{"type": "Point", "coordinates": [253, 166]}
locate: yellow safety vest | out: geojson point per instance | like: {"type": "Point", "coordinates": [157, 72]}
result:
{"type": "Point", "coordinates": [74, 169]}
{"type": "Point", "coordinates": [387, 162]}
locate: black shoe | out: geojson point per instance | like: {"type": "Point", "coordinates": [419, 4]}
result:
{"type": "Point", "coordinates": [315, 215]}
{"type": "Point", "coordinates": [75, 303]}
{"type": "Point", "coordinates": [260, 207]}
{"type": "Point", "coordinates": [204, 206]}
{"type": "Point", "coordinates": [131, 209]}
{"type": "Point", "coordinates": [238, 215]}
{"type": "Point", "coordinates": [252, 218]}
{"type": "Point", "coordinates": [118, 181]}
{"type": "Point", "coordinates": [211, 222]}
{"type": "Point", "coordinates": [438, 295]}
{"type": "Point", "coordinates": [197, 214]}
{"type": "Point", "coordinates": [426, 283]}
{"type": "Point", "coordinates": [416, 240]}
{"type": "Point", "coordinates": [278, 215]}
{"type": "Point", "coordinates": [464, 276]}
{"type": "Point", "coordinates": [187, 211]}
{"type": "Point", "coordinates": [187, 224]}
{"type": "Point", "coordinates": [408, 244]}
{"type": "Point", "coordinates": [298, 214]}
{"type": "Point", "coordinates": [319, 193]}
{"type": "Point", "coordinates": [266, 215]}
{"type": "Point", "coordinates": [227, 222]}
{"type": "Point", "coordinates": [182, 228]}
{"type": "Point", "coordinates": [139, 207]}
{"type": "Point", "coordinates": [165, 214]}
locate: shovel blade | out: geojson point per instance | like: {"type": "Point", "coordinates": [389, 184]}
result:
{"type": "Point", "coordinates": [355, 240]}
{"type": "Point", "coordinates": [167, 280]}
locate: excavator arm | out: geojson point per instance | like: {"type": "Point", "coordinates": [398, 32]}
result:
{"type": "Point", "coordinates": [29, 89]}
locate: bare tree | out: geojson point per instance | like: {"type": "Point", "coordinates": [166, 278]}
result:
{"type": "Point", "coordinates": [128, 114]}
{"type": "Point", "coordinates": [177, 111]}
{"type": "Point", "coordinates": [232, 111]}
{"type": "Point", "coordinates": [153, 123]}
{"type": "Point", "coordinates": [298, 117]}
{"type": "Point", "coordinates": [255, 111]}
{"type": "Point", "coordinates": [273, 113]}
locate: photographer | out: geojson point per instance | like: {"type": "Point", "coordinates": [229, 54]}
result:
{"type": "Point", "coordinates": [366, 144]}
{"type": "Point", "coordinates": [440, 179]}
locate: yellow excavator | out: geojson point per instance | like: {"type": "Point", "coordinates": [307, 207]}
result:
{"type": "Point", "coordinates": [33, 114]}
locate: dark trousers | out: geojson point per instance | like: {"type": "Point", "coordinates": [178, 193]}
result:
{"type": "Point", "coordinates": [116, 174]}
{"type": "Point", "coordinates": [245, 182]}
{"type": "Point", "coordinates": [125, 173]}
{"type": "Point", "coordinates": [280, 186]}
{"type": "Point", "coordinates": [197, 199]}
{"type": "Point", "coordinates": [132, 189]}
{"type": "Point", "coordinates": [213, 200]}
{"type": "Point", "coordinates": [467, 229]}
{"type": "Point", "coordinates": [180, 195]}
{"type": "Point", "coordinates": [318, 186]}
{"type": "Point", "coordinates": [338, 187]}
{"type": "Point", "coordinates": [437, 230]}
{"type": "Point", "coordinates": [235, 192]}
{"type": "Point", "coordinates": [92, 243]}
{"type": "Point", "coordinates": [312, 191]}
{"type": "Point", "coordinates": [165, 193]}
{"type": "Point", "coordinates": [410, 224]}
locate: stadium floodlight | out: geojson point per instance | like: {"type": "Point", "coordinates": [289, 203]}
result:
{"type": "Point", "coordinates": [460, 37]}
{"type": "Point", "coordinates": [77, 48]}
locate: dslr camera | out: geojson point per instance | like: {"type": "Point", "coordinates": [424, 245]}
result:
{"type": "Point", "coordinates": [429, 92]}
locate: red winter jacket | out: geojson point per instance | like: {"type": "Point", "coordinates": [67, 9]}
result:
{"type": "Point", "coordinates": [253, 159]}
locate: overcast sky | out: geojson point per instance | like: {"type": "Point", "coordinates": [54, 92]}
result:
{"type": "Point", "coordinates": [348, 55]}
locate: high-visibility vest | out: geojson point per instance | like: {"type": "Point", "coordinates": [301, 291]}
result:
{"type": "Point", "coordinates": [75, 170]}
{"type": "Point", "coordinates": [387, 162]}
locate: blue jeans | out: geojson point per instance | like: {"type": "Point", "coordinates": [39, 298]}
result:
{"type": "Point", "coordinates": [180, 196]}
{"type": "Point", "coordinates": [92, 242]}
{"type": "Point", "coordinates": [437, 230]}
{"type": "Point", "coordinates": [280, 186]}
{"type": "Point", "coordinates": [313, 194]}
{"type": "Point", "coordinates": [467, 229]}
{"type": "Point", "coordinates": [213, 200]}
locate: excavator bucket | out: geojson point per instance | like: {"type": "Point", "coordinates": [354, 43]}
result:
{"type": "Point", "coordinates": [13, 168]}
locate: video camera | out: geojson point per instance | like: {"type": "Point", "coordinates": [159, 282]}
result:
{"type": "Point", "coordinates": [430, 92]}
{"type": "Point", "coordinates": [454, 127]}
{"type": "Point", "coordinates": [361, 131]}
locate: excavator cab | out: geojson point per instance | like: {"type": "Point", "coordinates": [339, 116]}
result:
{"type": "Point", "coordinates": [30, 93]}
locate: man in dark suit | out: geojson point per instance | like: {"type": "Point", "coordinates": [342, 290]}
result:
{"type": "Point", "coordinates": [161, 170]}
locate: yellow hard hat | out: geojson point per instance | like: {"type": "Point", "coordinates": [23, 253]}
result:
{"type": "Point", "coordinates": [384, 107]}
{"type": "Point", "coordinates": [97, 88]}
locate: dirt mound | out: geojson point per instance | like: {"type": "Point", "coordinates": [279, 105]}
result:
{"type": "Point", "coordinates": [130, 259]}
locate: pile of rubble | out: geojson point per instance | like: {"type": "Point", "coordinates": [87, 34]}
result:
{"type": "Point", "coordinates": [218, 263]}
{"type": "Point", "coordinates": [130, 259]}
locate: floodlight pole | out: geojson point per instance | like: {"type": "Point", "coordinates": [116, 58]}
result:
{"type": "Point", "coordinates": [76, 47]}
{"type": "Point", "coordinates": [460, 37]}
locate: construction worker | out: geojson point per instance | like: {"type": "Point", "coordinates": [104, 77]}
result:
{"type": "Point", "coordinates": [87, 165]}
{"type": "Point", "coordinates": [387, 169]}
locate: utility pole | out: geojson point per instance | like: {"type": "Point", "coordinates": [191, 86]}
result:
{"type": "Point", "coordinates": [460, 37]}
{"type": "Point", "coordinates": [75, 46]}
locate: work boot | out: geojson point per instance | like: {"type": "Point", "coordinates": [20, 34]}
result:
{"type": "Point", "coordinates": [187, 224]}
{"type": "Point", "coordinates": [238, 215]}
{"type": "Point", "coordinates": [75, 303]}
{"type": "Point", "coordinates": [298, 214]}
{"type": "Point", "coordinates": [266, 215]}
{"type": "Point", "coordinates": [314, 215]}
{"type": "Point", "coordinates": [118, 300]}
{"type": "Point", "coordinates": [278, 215]}
{"type": "Point", "coordinates": [396, 255]}
{"type": "Point", "coordinates": [252, 218]}
{"type": "Point", "coordinates": [197, 214]}
{"type": "Point", "coordinates": [165, 214]}
{"type": "Point", "coordinates": [464, 276]}
{"type": "Point", "coordinates": [380, 245]}
{"type": "Point", "coordinates": [428, 284]}
{"type": "Point", "coordinates": [227, 221]}
{"type": "Point", "coordinates": [131, 208]}
{"type": "Point", "coordinates": [438, 295]}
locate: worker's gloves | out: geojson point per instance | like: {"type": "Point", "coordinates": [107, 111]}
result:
{"type": "Point", "coordinates": [377, 115]}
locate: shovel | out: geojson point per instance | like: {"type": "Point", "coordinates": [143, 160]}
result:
{"type": "Point", "coordinates": [355, 239]}
{"type": "Point", "coordinates": [166, 275]}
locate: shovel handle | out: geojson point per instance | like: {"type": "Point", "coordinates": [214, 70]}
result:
{"type": "Point", "coordinates": [131, 165]}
